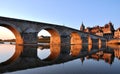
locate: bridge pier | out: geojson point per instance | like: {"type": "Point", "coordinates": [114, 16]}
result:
{"type": "Point", "coordinates": [84, 40]}
{"type": "Point", "coordinates": [30, 38]}
{"type": "Point", "coordinates": [29, 51]}
{"type": "Point", "coordinates": [103, 42]}
{"type": "Point", "coordinates": [95, 41]}
{"type": "Point", "coordinates": [90, 40]}
{"type": "Point", "coordinates": [65, 40]}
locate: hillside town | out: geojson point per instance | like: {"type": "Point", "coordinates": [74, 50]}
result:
{"type": "Point", "coordinates": [106, 31]}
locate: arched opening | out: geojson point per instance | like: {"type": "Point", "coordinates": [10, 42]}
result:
{"type": "Point", "coordinates": [46, 53]}
{"type": "Point", "coordinates": [99, 46]}
{"type": "Point", "coordinates": [75, 50]}
{"type": "Point", "coordinates": [9, 53]}
{"type": "Point", "coordinates": [43, 51]}
{"type": "Point", "coordinates": [75, 38]}
{"type": "Point", "coordinates": [89, 40]}
{"type": "Point", "coordinates": [49, 36]}
{"type": "Point", "coordinates": [55, 51]}
{"type": "Point", "coordinates": [6, 52]}
{"type": "Point", "coordinates": [10, 33]}
{"type": "Point", "coordinates": [99, 41]}
{"type": "Point", "coordinates": [89, 47]}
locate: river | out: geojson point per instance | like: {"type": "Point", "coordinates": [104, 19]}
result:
{"type": "Point", "coordinates": [58, 59]}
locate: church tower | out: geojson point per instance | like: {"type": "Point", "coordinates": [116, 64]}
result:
{"type": "Point", "coordinates": [82, 27]}
{"type": "Point", "coordinates": [111, 26]}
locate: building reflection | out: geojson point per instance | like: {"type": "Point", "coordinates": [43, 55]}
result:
{"type": "Point", "coordinates": [82, 59]}
{"type": "Point", "coordinates": [108, 54]}
{"type": "Point", "coordinates": [107, 57]}
{"type": "Point", "coordinates": [117, 53]}
{"type": "Point", "coordinates": [116, 49]}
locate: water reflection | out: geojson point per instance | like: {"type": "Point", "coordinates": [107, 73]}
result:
{"type": "Point", "coordinates": [75, 50]}
{"type": "Point", "coordinates": [48, 54]}
{"type": "Point", "coordinates": [15, 50]}
{"type": "Point", "coordinates": [99, 46]}
{"type": "Point", "coordinates": [26, 57]}
{"type": "Point", "coordinates": [6, 52]}
{"type": "Point", "coordinates": [108, 57]}
{"type": "Point", "coordinates": [89, 47]}
{"type": "Point", "coordinates": [43, 52]}
{"type": "Point", "coordinates": [55, 51]}
{"type": "Point", "coordinates": [114, 46]}
{"type": "Point", "coordinates": [116, 50]}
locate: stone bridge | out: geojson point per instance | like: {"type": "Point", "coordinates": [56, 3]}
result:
{"type": "Point", "coordinates": [26, 32]}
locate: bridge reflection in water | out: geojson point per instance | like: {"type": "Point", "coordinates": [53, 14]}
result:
{"type": "Point", "coordinates": [27, 57]}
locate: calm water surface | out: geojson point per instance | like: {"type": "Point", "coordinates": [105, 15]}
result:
{"type": "Point", "coordinates": [56, 59]}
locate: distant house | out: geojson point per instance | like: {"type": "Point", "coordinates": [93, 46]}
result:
{"type": "Point", "coordinates": [108, 28]}
{"type": "Point", "coordinates": [117, 33]}
{"type": "Point", "coordinates": [106, 31]}
{"type": "Point", "coordinates": [99, 33]}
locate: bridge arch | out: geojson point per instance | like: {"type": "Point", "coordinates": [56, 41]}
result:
{"type": "Point", "coordinates": [54, 53]}
{"type": "Point", "coordinates": [75, 38]}
{"type": "Point", "coordinates": [89, 40]}
{"type": "Point", "coordinates": [18, 50]}
{"type": "Point", "coordinates": [55, 36]}
{"type": "Point", "coordinates": [99, 41]}
{"type": "Point", "coordinates": [14, 30]}
{"type": "Point", "coordinates": [75, 50]}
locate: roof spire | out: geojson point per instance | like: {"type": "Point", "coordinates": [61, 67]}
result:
{"type": "Point", "coordinates": [82, 27]}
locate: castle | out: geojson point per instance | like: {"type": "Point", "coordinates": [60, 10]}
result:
{"type": "Point", "coordinates": [106, 31]}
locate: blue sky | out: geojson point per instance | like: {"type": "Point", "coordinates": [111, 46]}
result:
{"type": "Point", "coordinates": [70, 13]}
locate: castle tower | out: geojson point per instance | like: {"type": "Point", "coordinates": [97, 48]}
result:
{"type": "Point", "coordinates": [111, 26]}
{"type": "Point", "coordinates": [82, 27]}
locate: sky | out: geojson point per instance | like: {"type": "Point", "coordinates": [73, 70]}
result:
{"type": "Point", "coordinates": [70, 13]}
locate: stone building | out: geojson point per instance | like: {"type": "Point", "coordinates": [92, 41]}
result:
{"type": "Point", "coordinates": [106, 31]}
{"type": "Point", "coordinates": [117, 33]}
{"type": "Point", "coordinates": [108, 28]}
{"type": "Point", "coordinates": [99, 33]}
